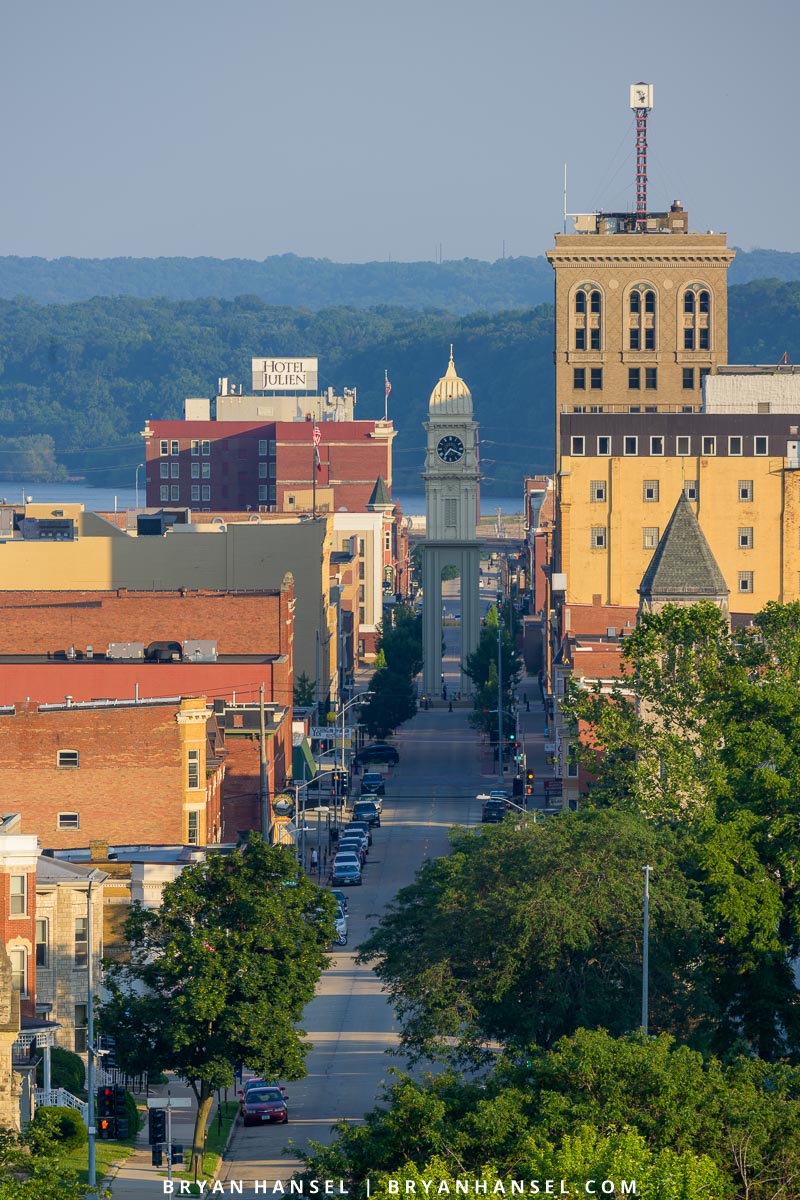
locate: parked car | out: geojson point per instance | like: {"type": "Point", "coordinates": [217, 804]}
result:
{"type": "Point", "coordinates": [493, 810]}
{"type": "Point", "coordinates": [361, 826]}
{"type": "Point", "coordinates": [355, 844]}
{"type": "Point", "coordinates": [260, 1104]}
{"type": "Point", "coordinates": [353, 832]}
{"type": "Point", "coordinates": [366, 810]}
{"type": "Point", "coordinates": [347, 873]}
{"type": "Point", "coordinates": [374, 797]}
{"type": "Point", "coordinates": [377, 752]}
{"type": "Point", "coordinates": [372, 781]}
{"type": "Point", "coordinates": [348, 856]}
{"type": "Point", "coordinates": [341, 899]}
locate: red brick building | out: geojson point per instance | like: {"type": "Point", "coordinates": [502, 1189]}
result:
{"type": "Point", "coordinates": [230, 466]}
{"type": "Point", "coordinates": [127, 772]}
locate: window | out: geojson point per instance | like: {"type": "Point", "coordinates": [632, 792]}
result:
{"type": "Point", "coordinates": [195, 491]}
{"type": "Point", "coordinates": [194, 769]}
{"type": "Point", "coordinates": [577, 444]}
{"type": "Point", "coordinates": [703, 338]}
{"type": "Point", "coordinates": [19, 971]}
{"type": "Point", "coordinates": [597, 379]}
{"type": "Point", "coordinates": [272, 445]}
{"type": "Point", "coordinates": [688, 379]}
{"type": "Point", "coordinates": [734, 445]}
{"type": "Point", "coordinates": [688, 302]}
{"type": "Point", "coordinates": [745, 581]}
{"type": "Point", "coordinates": [580, 302]}
{"type": "Point", "coordinates": [649, 537]}
{"type": "Point", "coordinates": [163, 470]}
{"type": "Point", "coordinates": [572, 763]}
{"type": "Point", "coordinates": [18, 895]}
{"type": "Point", "coordinates": [594, 302]}
{"type": "Point", "coordinates": [263, 470]}
{"type": "Point", "coordinates": [262, 447]}
{"type": "Point", "coordinates": [69, 820]}
{"type": "Point", "coordinates": [205, 472]}
{"type": "Point", "coordinates": [688, 339]}
{"type": "Point", "coordinates": [657, 444]}
{"type": "Point", "coordinates": [691, 489]}
{"type": "Point", "coordinates": [362, 570]}
{"type": "Point", "coordinates": [604, 446]}
{"type": "Point", "coordinates": [634, 378]}
{"type": "Point", "coordinates": [580, 338]}
{"type": "Point", "coordinates": [81, 941]}
{"type": "Point", "coordinates": [81, 1023]}
{"type": "Point", "coordinates": [635, 302]}
{"type": "Point", "coordinates": [634, 339]}
{"type": "Point", "coordinates": [761, 445]}
{"type": "Point", "coordinates": [597, 491]}
{"type": "Point", "coordinates": [651, 378]}
{"type": "Point", "coordinates": [175, 470]}
{"type": "Point", "coordinates": [263, 491]}
{"type": "Point", "coordinates": [195, 447]}
{"type": "Point", "coordinates": [42, 942]}
{"type": "Point", "coordinates": [68, 758]}
{"type": "Point", "coordinates": [705, 302]}
{"type": "Point", "coordinates": [650, 302]}
{"type": "Point", "coordinates": [746, 537]}
{"type": "Point", "coordinates": [650, 338]}
{"type": "Point", "coordinates": [631, 446]}
{"type": "Point", "coordinates": [579, 378]}
{"type": "Point", "coordinates": [594, 337]}
{"type": "Point", "coordinates": [598, 537]}
{"type": "Point", "coordinates": [195, 470]}
{"type": "Point", "coordinates": [745, 491]}
{"type": "Point", "coordinates": [175, 492]}
{"type": "Point", "coordinates": [683, 445]}
{"type": "Point", "coordinates": [650, 490]}
{"type": "Point", "coordinates": [164, 491]}
{"type": "Point", "coordinates": [174, 447]}
{"type": "Point", "coordinates": [164, 448]}
{"type": "Point", "coordinates": [193, 828]}
{"type": "Point", "coordinates": [709, 446]}
{"type": "Point", "coordinates": [205, 447]}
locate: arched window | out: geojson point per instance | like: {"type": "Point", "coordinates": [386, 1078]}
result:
{"type": "Point", "coordinates": [696, 318]}
{"type": "Point", "coordinates": [587, 317]}
{"type": "Point", "coordinates": [642, 317]}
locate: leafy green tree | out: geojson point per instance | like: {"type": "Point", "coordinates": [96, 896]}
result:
{"type": "Point", "coordinates": [31, 1166]}
{"type": "Point", "coordinates": [525, 934]}
{"type": "Point", "coordinates": [481, 667]}
{"type": "Point", "coordinates": [221, 972]}
{"type": "Point", "coordinates": [399, 659]}
{"type": "Point", "coordinates": [303, 691]}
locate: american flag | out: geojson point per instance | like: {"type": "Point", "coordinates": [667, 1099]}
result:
{"type": "Point", "coordinates": [388, 387]}
{"type": "Point", "coordinates": [317, 440]}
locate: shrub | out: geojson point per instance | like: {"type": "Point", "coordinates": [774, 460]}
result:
{"type": "Point", "coordinates": [61, 1125]}
{"type": "Point", "coordinates": [66, 1071]}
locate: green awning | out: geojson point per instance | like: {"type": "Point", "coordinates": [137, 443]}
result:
{"type": "Point", "coordinates": [303, 765]}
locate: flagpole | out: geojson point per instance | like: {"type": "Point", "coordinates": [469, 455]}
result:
{"type": "Point", "coordinates": [386, 390]}
{"type": "Point", "coordinates": [314, 453]}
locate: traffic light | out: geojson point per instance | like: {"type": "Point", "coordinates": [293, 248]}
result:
{"type": "Point", "coordinates": [529, 780]}
{"type": "Point", "coordinates": [120, 1118]}
{"type": "Point", "coordinates": [176, 1154]}
{"type": "Point", "coordinates": [157, 1126]}
{"type": "Point", "coordinates": [344, 779]}
{"type": "Point", "coordinates": [105, 1113]}
{"type": "Point", "coordinates": [156, 1155]}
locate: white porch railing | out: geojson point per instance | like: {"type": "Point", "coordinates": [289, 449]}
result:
{"type": "Point", "coordinates": [61, 1098]}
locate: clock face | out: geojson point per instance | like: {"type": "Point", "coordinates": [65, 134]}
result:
{"type": "Point", "coordinates": [450, 448]}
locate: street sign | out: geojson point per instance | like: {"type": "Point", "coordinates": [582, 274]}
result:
{"type": "Point", "coordinates": [329, 731]}
{"type": "Point", "coordinates": [170, 1102]}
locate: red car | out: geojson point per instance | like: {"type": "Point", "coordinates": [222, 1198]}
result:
{"type": "Point", "coordinates": [260, 1104]}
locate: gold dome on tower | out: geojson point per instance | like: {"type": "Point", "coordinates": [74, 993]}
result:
{"type": "Point", "coordinates": [451, 396]}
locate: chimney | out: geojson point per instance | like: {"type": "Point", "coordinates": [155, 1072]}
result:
{"type": "Point", "coordinates": [597, 600]}
{"type": "Point", "coordinates": [98, 851]}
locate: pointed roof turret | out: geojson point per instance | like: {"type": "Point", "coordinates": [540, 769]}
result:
{"type": "Point", "coordinates": [380, 498]}
{"type": "Point", "coordinates": [683, 568]}
{"type": "Point", "coordinates": [451, 396]}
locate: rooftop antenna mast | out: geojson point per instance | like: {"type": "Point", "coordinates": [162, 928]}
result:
{"type": "Point", "coordinates": [641, 103]}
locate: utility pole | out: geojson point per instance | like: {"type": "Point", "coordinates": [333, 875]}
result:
{"type": "Point", "coordinates": [646, 948]}
{"type": "Point", "coordinates": [92, 1162]}
{"type": "Point", "coordinates": [263, 792]}
{"type": "Point", "coordinates": [499, 698]}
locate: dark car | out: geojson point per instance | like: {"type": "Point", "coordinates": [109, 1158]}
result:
{"type": "Point", "coordinates": [366, 810]}
{"type": "Point", "coordinates": [346, 874]}
{"type": "Point", "coordinates": [353, 843]}
{"type": "Point", "coordinates": [378, 752]}
{"type": "Point", "coordinates": [493, 810]}
{"type": "Point", "coordinates": [362, 827]}
{"type": "Point", "coordinates": [372, 781]}
{"type": "Point", "coordinates": [341, 899]}
{"type": "Point", "coordinates": [260, 1104]}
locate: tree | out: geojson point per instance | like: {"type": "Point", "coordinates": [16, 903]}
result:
{"type": "Point", "coordinates": [525, 934]}
{"type": "Point", "coordinates": [481, 667]}
{"type": "Point", "coordinates": [303, 691]}
{"type": "Point", "coordinates": [399, 659]}
{"type": "Point", "coordinates": [221, 972]}
{"type": "Point", "coordinates": [31, 1166]}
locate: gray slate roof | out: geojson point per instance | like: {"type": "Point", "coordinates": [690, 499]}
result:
{"type": "Point", "coordinates": [380, 495]}
{"type": "Point", "coordinates": [683, 564]}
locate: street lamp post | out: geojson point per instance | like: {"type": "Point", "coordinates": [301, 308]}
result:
{"type": "Point", "coordinates": [355, 700]}
{"type": "Point", "coordinates": [138, 469]}
{"type": "Point", "coordinates": [646, 949]}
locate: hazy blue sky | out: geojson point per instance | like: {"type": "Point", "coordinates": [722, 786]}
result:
{"type": "Point", "coordinates": [363, 129]}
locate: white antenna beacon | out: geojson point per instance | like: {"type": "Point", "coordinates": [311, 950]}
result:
{"type": "Point", "coordinates": [642, 104]}
{"type": "Point", "coordinates": [565, 198]}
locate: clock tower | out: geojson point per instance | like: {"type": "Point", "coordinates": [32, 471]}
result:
{"type": "Point", "coordinates": [451, 505]}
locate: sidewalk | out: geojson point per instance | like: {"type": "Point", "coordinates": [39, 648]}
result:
{"type": "Point", "coordinates": [137, 1178]}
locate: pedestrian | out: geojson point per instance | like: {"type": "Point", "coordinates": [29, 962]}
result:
{"type": "Point", "coordinates": [450, 706]}
{"type": "Point", "coordinates": [314, 860]}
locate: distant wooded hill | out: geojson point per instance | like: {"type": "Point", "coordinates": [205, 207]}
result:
{"type": "Point", "coordinates": [468, 285]}
{"type": "Point", "coordinates": [78, 380]}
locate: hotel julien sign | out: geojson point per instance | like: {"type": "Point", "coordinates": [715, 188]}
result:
{"type": "Point", "coordinates": [285, 374]}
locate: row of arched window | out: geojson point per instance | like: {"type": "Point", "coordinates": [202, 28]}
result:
{"type": "Point", "coordinates": [641, 303]}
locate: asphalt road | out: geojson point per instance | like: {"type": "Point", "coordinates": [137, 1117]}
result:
{"type": "Point", "coordinates": [350, 1024]}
